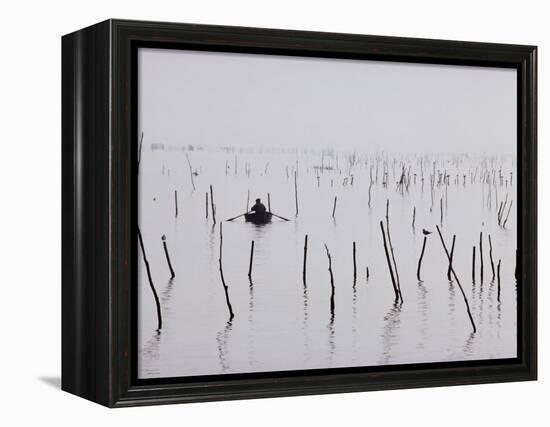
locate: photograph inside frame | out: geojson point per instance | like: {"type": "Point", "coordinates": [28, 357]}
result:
{"type": "Point", "coordinates": [301, 213]}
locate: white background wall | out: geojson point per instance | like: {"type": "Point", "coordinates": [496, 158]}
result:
{"type": "Point", "coordinates": [30, 227]}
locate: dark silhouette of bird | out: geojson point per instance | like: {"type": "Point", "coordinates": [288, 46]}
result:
{"type": "Point", "coordinates": [426, 232]}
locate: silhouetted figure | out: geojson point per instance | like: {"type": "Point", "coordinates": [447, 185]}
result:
{"type": "Point", "coordinates": [258, 207]}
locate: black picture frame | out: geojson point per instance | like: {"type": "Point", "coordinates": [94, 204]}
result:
{"type": "Point", "coordinates": [99, 215]}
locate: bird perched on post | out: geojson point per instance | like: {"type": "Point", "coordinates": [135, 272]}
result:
{"type": "Point", "coordinates": [426, 232]}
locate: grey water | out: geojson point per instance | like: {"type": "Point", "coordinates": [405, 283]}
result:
{"type": "Point", "coordinates": [282, 323]}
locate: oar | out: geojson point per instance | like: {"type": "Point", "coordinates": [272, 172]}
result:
{"type": "Point", "coordinates": [278, 216]}
{"type": "Point", "coordinates": [238, 216]}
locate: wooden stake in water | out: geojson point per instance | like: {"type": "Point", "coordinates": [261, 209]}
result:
{"type": "Point", "coordinates": [458, 281]}
{"type": "Point", "coordinates": [506, 220]}
{"type": "Point", "coordinates": [190, 171]}
{"type": "Point", "coordinates": [451, 260]}
{"type": "Point", "coordinates": [420, 259]}
{"type": "Point", "coordinates": [498, 281]}
{"type": "Point", "coordinates": [305, 261]}
{"type": "Point", "coordinates": [139, 153]}
{"type": "Point", "coordinates": [176, 201]}
{"type": "Point", "coordinates": [334, 206]}
{"type": "Point", "coordinates": [389, 263]}
{"type": "Point", "coordinates": [206, 205]}
{"type": "Point", "coordinates": [491, 256]}
{"type": "Point", "coordinates": [296, 190]}
{"type": "Point", "coordinates": [474, 264]}
{"type": "Point", "coordinates": [354, 263]}
{"type": "Point", "coordinates": [148, 269]}
{"type": "Point", "coordinates": [370, 186]}
{"type": "Point", "coordinates": [172, 275]}
{"type": "Point", "coordinates": [414, 216]}
{"type": "Point", "coordinates": [331, 283]}
{"type": "Point", "coordinates": [231, 315]}
{"type": "Point", "coordinates": [503, 209]}
{"type": "Point", "coordinates": [212, 204]}
{"type": "Point", "coordinates": [481, 254]}
{"type": "Point", "coordinates": [251, 259]}
{"type": "Point", "coordinates": [268, 202]}
{"type": "Point", "coordinates": [391, 249]}
{"type": "Point", "coordinates": [516, 269]}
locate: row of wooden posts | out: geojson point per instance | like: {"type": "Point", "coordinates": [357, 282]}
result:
{"type": "Point", "coordinates": [484, 177]}
{"type": "Point", "coordinates": [390, 258]}
{"type": "Point", "coordinates": [502, 219]}
{"type": "Point", "coordinates": [386, 237]}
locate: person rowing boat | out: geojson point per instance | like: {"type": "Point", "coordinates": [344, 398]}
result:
{"type": "Point", "coordinates": [258, 214]}
{"type": "Point", "coordinates": [258, 208]}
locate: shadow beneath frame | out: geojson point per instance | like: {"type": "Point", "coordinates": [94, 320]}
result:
{"type": "Point", "coordinates": [54, 382]}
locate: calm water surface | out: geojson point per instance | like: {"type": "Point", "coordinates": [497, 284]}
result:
{"type": "Point", "coordinates": [282, 324]}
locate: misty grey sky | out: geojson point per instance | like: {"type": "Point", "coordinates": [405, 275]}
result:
{"type": "Point", "coordinates": [215, 99]}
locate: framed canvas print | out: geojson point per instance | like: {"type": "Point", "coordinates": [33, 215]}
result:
{"type": "Point", "coordinates": [258, 213]}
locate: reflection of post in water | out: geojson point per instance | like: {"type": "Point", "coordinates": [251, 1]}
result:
{"type": "Point", "coordinates": [423, 310]}
{"type": "Point", "coordinates": [392, 322]}
{"type": "Point", "coordinates": [331, 343]}
{"type": "Point", "coordinates": [451, 307]}
{"type": "Point", "coordinates": [469, 343]}
{"type": "Point", "coordinates": [481, 303]}
{"type": "Point", "coordinates": [305, 322]}
{"type": "Point", "coordinates": [490, 292]}
{"type": "Point", "coordinates": [251, 347]}
{"type": "Point", "coordinates": [151, 353]}
{"type": "Point", "coordinates": [251, 294]}
{"type": "Point", "coordinates": [166, 294]}
{"type": "Point", "coordinates": [222, 338]}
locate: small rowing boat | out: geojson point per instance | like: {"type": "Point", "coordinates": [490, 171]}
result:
{"type": "Point", "coordinates": [258, 218]}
